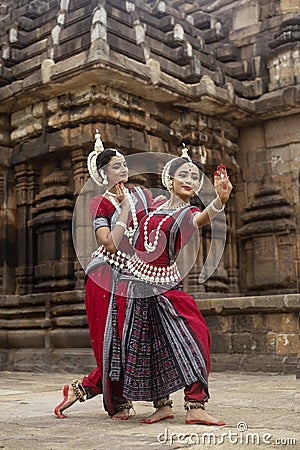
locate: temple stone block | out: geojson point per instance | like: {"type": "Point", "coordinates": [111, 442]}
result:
{"type": "Point", "coordinates": [289, 6]}
{"type": "Point", "coordinates": [281, 132]}
{"type": "Point", "coordinates": [247, 14]}
{"type": "Point", "coordinates": [257, 333]}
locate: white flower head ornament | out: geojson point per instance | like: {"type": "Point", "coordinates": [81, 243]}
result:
{"type": "Point", "coordinates": [184, 153]}
{"type": "Point", "coordinates": [167, 179]}
{"type": "Point", "coordinates": [92, 161]}
{"type": "Point", "coordinates": [98, 176]}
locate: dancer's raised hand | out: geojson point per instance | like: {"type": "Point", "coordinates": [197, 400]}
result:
{"type": "Point", "coordinates": [121, 194]}
{"type": "Point", "coordinates": [222, 183]}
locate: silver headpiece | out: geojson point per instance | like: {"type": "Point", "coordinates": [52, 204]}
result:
{"type": "Point", "coordinates": [99, 178]}
{"type": "Point", "coordinates": [92, 160]}
{"type": "Point", "coordinates": [184, 153]}
{"type": "Point", "coordinates": [165, 176]}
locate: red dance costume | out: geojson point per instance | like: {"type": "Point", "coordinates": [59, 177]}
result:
{"type": "Point", "coordinates": [161, 343]}
{"type": "Point", "coordinates": [103, 272]}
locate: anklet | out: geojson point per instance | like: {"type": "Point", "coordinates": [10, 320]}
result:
{"type": "Point", "coordinates": [78, 390]}
{"type": "Point", "coordinates": [166, 401]}
{"type": "Point", "coordinates": [193, 405]}
{"type": "Point", "coordinates": [120, 406]}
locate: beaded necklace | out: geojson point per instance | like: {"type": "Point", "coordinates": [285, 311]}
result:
{"type": "Point", "coordinates": [129, 232]}
{"type": "Point", "coordinates": [151, 246]}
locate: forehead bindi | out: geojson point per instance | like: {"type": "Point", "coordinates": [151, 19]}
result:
{"type": "Point", "coordinates": [188, 168]}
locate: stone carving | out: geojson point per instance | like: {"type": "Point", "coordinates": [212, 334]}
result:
{"type": "Point", "coordinates": [267, 243]}
{"type": "Point", "coordinates": [51, 223]}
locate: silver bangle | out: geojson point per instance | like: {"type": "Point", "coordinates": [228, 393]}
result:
{"type": "Point", "coordinates": [122, 224]}
{"type": "Point", "coordinates": [215, 209]}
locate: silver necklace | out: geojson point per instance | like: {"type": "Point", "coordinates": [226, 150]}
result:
{"type": "Point", "coordinates": [151, 246]}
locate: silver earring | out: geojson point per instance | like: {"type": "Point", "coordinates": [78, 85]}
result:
{"type": "Point", "coordinates": [169, 183]}
{"type": "Point", "coordinates": [104, 177]}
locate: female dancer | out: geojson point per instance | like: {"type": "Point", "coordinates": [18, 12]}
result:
{"type": "Point", "coordinates": [115, 215]}
{"type": "Point", "coordinates": [165, 343]}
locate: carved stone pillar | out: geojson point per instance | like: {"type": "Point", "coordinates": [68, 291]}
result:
{"type": "Point", "coordinates": [8, 237]}
{"type": "Point", "coordinates": [192, 284]}
{"type": "Point", "coordinates": [266, 245]}
{"type": "Point", "coordinates": [80, 171]}
{"type": "Point", "coordinates": [231, 253]}
{"type": "Point", "coordinates": [26, 187]}
{"type": "Point", "coordinates": [79, 161]}
{"type": "Point", "coordinates": [2, 230]}
{"type": "Point", "coordinates": [51, 222]}
{"type": "Point", "coordinates": [8, 223]}
{"type": "Point", "coordinates": [218, 281]}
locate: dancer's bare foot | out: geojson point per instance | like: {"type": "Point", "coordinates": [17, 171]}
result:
{"type": "Point", "coordinates": [163, 413]}
{"type": "Point", "coordinates": [122, 410]}
{"type": "Point", "coordinates": [201, 417]}
{"type": "Point", "coordinates": [68, 400]}
{"type": "Point", "coordinates": [123, 414]}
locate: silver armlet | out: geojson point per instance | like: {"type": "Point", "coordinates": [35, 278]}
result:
{"type": "Point", "coordinates": [122, 224]}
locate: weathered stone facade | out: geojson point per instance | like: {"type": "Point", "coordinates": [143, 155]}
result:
{"type": "Point", "coordinates": [222, 76]}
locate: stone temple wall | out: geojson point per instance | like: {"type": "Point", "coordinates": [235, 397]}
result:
{"type": "Point", "coordinates": [221, 76]}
